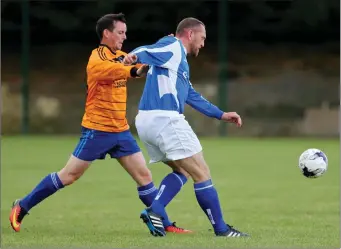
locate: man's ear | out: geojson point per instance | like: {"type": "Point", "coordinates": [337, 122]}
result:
{"type": "Point", "coordinates": [190, 35]}
{"type": "Point", "coordinates": [106, 33]}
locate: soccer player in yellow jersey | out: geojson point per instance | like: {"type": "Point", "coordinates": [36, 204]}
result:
{"type": "Point", "coordinates": [105, 129]}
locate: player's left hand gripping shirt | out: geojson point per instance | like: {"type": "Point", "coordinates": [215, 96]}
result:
{"type": "Point", "coordinates": [105, 108]}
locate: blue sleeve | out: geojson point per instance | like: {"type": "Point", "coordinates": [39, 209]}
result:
{"type": "Point", "coordinates": [199, 103]}
{"type": "Point", "coordinates": [157, 54]}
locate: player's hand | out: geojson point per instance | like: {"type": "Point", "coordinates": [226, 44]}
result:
{"type": "Point", "coordinates": [142, 71]}
{"type": "Point", "coordinates": [232, 117]}
{"type": "Point", "coordinates": [171, 35]}
{"type": "Point", "coordinates": [129, 59]}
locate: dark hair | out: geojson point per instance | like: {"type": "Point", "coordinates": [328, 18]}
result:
{"type": "Point", "coordinates": [188, 23]}
{"type": "Point", "coordinates": [108, 22]}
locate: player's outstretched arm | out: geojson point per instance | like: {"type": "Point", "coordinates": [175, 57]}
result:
{"type": "Point", "coordinates": [157, 54]}
{"type": "Point", "coordinates": [113, 70]}
{"type": "Point", "coordinates": [199, 103]}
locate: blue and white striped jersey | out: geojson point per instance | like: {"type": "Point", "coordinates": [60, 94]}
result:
{"type": "Point", "coordinates": [167, 83]}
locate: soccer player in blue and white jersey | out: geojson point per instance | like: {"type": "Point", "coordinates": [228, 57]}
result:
{"type": "Point", "coordinates": [164, 130]}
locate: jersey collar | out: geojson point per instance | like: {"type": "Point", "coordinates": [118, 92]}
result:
{"type": "Point", "coordinates": [181, 45]}
{"type": "Point", "coordinates": [104, 45]}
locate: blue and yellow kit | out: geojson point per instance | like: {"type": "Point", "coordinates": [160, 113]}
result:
{"type": "Point", "coordinates": [105, 129]}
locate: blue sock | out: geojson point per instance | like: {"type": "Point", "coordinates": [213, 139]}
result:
{"type": "Point", "coordinates": [147, 195]}
{"type": "Point", "coordinates": [169, 188]}
{"type": "Point", "coordinates": [48, 186]}
{"type": "Point", "coordinates": [208, 200]}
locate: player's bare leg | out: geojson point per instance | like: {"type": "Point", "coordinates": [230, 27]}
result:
{"type": "Point", "coordinates": [135, 165]}
{"type": "Point", "coordinates": [175, 168]}
{"type": "Point", "coordinates": [195, 166]}
{"type": "Point", "coordinates": [72, 171]}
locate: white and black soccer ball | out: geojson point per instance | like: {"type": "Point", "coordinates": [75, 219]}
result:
{"type": "Point", "coordinates": [313, 163]}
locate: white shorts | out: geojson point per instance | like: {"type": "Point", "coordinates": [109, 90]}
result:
{"type": "Point", "coordinates": [166, 135]}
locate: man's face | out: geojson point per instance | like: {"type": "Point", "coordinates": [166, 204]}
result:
{"type": "Point", "coordinates": [197, 40]}
{"type": "Point", "coordinates": [118, 35]}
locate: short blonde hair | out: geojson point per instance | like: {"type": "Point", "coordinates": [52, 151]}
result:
{"type": "Point", "coordinates": [188, 23]}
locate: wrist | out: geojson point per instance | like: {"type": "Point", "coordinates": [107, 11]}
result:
{"type": "Point", "coordinates": [134, 72]}
{"type": "Point", "coordinates": [220, 115]}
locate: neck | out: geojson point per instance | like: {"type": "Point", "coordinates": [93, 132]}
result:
{"type": "Point", "coordinates": [104, 42]}
{"type": "Point", "coordinates": [184, 42]}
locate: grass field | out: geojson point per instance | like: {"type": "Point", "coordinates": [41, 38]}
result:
{"type": "Point", "coordinates": [261, 191]}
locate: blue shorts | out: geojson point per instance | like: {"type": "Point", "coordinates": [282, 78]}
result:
{"type": "Point", "coordinates": [94, 144]}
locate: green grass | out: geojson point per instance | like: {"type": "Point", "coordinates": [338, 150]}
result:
{"type": "Point", "coordinates": [261, 191]}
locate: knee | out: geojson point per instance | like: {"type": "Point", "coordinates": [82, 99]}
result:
{"type": "Point", "coordinates": [72, 171]}
{"type": "Point", "coordinates": [67, 177]}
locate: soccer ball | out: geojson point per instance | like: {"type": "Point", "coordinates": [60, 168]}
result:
{"type": "Point", "coordinates": [313, 163]}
